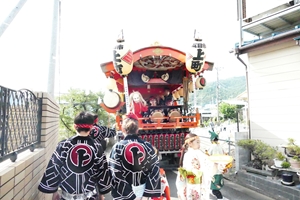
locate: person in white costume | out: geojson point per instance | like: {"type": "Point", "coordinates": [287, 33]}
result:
{"type": "Point", "coordinates": [190, 174]}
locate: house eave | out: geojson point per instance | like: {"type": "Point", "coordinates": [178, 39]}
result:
{"type": "Point", "coordinates": [274, 40]}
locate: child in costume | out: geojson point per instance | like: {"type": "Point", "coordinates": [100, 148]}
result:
{"type": "Point", "coordinates": [218, 168]}
{"type": "Point", "coordinates": [190, 173]}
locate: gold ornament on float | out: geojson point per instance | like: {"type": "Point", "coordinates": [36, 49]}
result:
{"type": "Point", "coordinates": [123, 57]}
{"type": "Point", "coordinates": [195, 57]}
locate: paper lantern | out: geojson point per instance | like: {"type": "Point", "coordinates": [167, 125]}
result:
{"type": "Point", "coordinates": [200, 82]}
{"type": "Point", "coordinates": [191, 87]}
{"type": "Point", "coordinates": [123, 57]}
{"type": "Point", "coordinates": [195, 56]}
{"type": "Point", "coordinates": [180, 91]}
{"type": "Point", "coordinates": [112, 84]}
{"type": "Point", "coordinates": [177, 95]}
{"type": "Point", "coordinates": [174, 96]}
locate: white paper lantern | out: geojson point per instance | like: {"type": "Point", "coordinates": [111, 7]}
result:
{"type": "Point", "coordinates": [200, 82]}
{"type": "Point", "coordinates": [123, 58]}
{"type": "Point", "coordinates": [174, 96]}
{"type": "Point", "coordinates": [112, 84]}
{"type": "Point", "coordinates": [180, 91]}
{"type": "Point", "coordinates": [191, 87]}
{"type": "Point", "coordinates": [195, 56]}
{"type": "Point", "coordinates": [176, 93]}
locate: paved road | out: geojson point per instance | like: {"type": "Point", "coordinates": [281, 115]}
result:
{"type": "Point", "coordinates": [231, 190]}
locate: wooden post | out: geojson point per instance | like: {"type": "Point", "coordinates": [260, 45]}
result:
{"type": "Point", "coordinates": [126, 94]}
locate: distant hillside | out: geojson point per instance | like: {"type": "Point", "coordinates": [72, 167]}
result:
{"type": "Point", "coordinates": [228, 89]}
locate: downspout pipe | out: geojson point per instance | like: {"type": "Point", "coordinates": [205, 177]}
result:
{"type": "Point", "coordinates": [247, 88]}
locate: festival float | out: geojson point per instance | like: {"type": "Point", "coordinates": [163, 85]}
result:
{"type": "Point", "coordinates": [155, 83]}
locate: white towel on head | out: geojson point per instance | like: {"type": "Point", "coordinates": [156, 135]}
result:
{"type": "Point", "coordinates": [139, 190]}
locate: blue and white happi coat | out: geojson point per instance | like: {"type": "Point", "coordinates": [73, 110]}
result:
{"type": "Point", "coordinates": [77, 166]}
{"type": "Point", "coordinates": [133, 162]}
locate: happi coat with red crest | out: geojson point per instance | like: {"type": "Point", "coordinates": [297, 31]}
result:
{"type": "Point", "coordinates": [77, 166]}
{"type": "Point", "coordinates": [99, 133]}
{"type": "Point", "coordinates": [133, 162]}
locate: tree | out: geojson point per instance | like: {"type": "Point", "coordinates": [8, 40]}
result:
{"type": "Point", "coordinates": [76, 101]}
{"type": "Point", "coordinates": [228, 110]}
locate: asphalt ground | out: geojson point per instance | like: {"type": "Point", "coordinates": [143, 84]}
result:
{"type": "Point", "coordinates": [231, 190]}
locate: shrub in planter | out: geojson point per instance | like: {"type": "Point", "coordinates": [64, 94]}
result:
{"type": "Point", "coordinates": [292, 148]}
{"type": "Point", "coordinates": [285, 164]}
{"type": "Point", "coordinates": [279, 158]}
{"type": "Point", "coordinates": [262, 152]}
{"type": "Point", "coordinates": [295, 162]}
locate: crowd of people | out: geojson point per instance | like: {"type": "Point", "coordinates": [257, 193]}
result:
{"type": "Point", "coordinates": [80, 168]}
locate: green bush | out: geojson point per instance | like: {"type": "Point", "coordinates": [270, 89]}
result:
{"type": "Point", "coordinates": [261, 151]}
{"type": "Point", "coordinates": [280, 155]}
{"type": "Point", "coordinates": [285, 164]}
{"type": "Point", "coordinates": [293, 148]}
{"type": "Point", "coordinates": [296, 158]}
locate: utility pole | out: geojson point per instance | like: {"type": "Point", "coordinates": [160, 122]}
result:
{"type": "Point", "coordinates": [11, 16]}
{"type": "Point", "coordinates": [54, 53]}
{"type": "Point", "coordinates": [217, 90]}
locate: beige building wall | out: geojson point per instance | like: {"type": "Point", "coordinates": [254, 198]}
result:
{"type": "Point", "coordinates": [19, 180]}
{"type": "Point", "coordinates": [274, 93]}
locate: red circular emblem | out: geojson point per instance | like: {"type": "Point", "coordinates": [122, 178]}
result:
{"type": "Point", "coordinates": [80, 158]}
{"type": "Point", "coordinates": [134, 153]}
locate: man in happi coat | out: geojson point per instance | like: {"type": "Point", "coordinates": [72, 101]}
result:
{"type": "Point", "coordinates": [100, 133]}
{"type": "Point", "coordinates": [78, 166]}
{"type": "Point", "coordinates": [134, 165]}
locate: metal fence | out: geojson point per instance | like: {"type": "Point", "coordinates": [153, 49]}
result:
{"type": "Point", "coordinates": [20, 122]}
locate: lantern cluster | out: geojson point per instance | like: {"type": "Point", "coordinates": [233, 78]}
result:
{"type": "Point", "coordinates": [177, 93]}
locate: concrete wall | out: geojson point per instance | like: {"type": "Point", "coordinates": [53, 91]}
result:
{"type": "Point", "coordinates": [242, 156]}
{"type": "Point", "coordinates": [19, 180]}
{"type": "Point", "coordinates": [274, 85]}
{"type": "Point", "coordinates": [268, 186]}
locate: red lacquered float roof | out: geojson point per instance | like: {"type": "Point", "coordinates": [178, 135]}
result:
{"type": "Point", "coordinates": [153, 58]}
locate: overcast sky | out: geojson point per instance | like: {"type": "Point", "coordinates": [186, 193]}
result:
{"type": "Point", "coordinates": [89, 29]}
